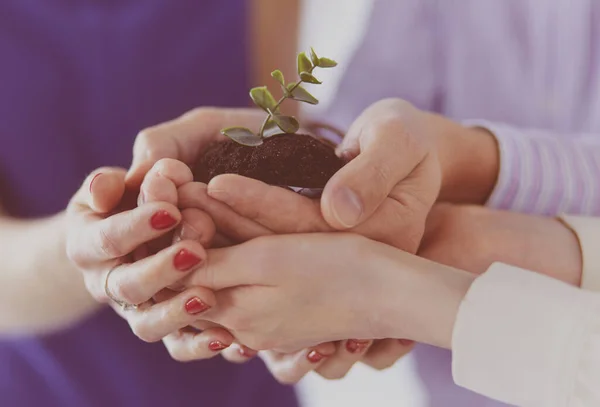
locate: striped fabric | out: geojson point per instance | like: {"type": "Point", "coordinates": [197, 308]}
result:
{"type": "Point", "coordinates": [545, 173]}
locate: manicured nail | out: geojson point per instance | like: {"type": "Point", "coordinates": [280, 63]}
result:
{"type": "Point", "coordinates": [216, 346]}
{"type": "Point", "coordinates": [246, 352]}
{"type": "Point", "coordinates": [314, 356]}
{"type": "Point", "coordinates": [406, 342]}
{"type": "Point", "coordinates": [356, 346]}
{"type": "Point", "coordinates": [195, 306]}
{"type": "Point", "coordinates": [347, 207]}
{"type": "Point", "coordinates": [162, 220]}
{"type": "Point", "coordinates": [185, 260]}
{"type": "Point", "coordinates": [94, 179]}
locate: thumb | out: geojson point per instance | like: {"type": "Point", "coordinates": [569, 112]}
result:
{"type": "Point", "coordinates": [102, 191]}
{"type": "Point", "coordinates": [385, 157]}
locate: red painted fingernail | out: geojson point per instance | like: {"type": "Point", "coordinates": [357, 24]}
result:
{"type": "Point", "coordinates": [162, 220]}
{"type": "Point", "coordinates": [195, 306]}
{"type": "Point", "coordinates": [314, 356]}
{"type": "Point", "coordinates": [355, 346]}
{"type": "Point", "coordinates": [185, 260]}
{"type": "Point", "coordinates": [94, 179]}
{"type": "Point", "coordinates": [246, 352]}
{"type": "Point", "coordinates": [216, 346]}
{"type": "Point", "coordinates": [405, 342]}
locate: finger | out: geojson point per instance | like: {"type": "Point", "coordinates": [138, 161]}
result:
{"type": "Point", "coordinates": [232, 225]}
{"type": "Point", "coordinates": [161, 182]}
{"type": "Point", "coordinates": [386, 352]}
{"type": "Point", "coordinates": [388, 154]}
{"type": "Point", "coordinates": [197, 226]}
{"type": "Point", "coordinates": [291, 368]}
{"type": "Point", "coordinates": [101, 192]}
{"type": "Point", "coordinates": [273, 207]}
{"type": "Point", "coordinates": [347, 354]}
{"type": "Point", "coordinates": [226, 268]}
{"type": "Point", "coordinates": [120, 234]}
{"type": "Point", "coordinates": [138, 282]}
{"type": "Point", "coordinates": [151, 323]}
{"type": "Point", "coordinates": [237, 353]}
{"type": "Point", "coordinates": [185, 137]}
{"type": "Point", "coordinates": [186, 346]}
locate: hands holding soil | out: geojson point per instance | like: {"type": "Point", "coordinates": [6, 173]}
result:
{"type": "Point", "coordinates": [237, 265]}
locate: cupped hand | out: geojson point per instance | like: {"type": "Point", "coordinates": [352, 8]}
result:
{"type": "Point", "coordinates": [185, 138]}
{"type": "Point", "coordinates": [114, 243]}
{"type": "Point", "coordinates": [272, 291]}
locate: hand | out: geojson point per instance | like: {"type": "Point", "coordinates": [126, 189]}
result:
{"type": "Point", "coordinates": [108, 234]}
{"type": "Point", "coordinates": [290, 292]}
{"type": "Point", "coordinates": [283, 218]}
{"type": "Point", "coordinates": [472, 238]}
{"type": "Point", "coordinates": [185, 138]}
{"type": "Point", "coordinates": [389, 186]}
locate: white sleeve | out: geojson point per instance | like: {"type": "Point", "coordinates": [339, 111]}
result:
{"type": "Point", "coordinates": [526, 339]}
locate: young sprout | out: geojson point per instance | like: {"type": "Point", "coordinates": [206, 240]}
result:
{"type": "Point", "coordinates": [276, 123]}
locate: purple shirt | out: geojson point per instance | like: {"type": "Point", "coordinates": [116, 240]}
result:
{"type": "Point", "coordinates": [78, 80]}
{"type": "Point", "coordinates": [529, 70]}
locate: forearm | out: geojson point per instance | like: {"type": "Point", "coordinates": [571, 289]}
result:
{"type": "Point", "coordinates": [39, 289]}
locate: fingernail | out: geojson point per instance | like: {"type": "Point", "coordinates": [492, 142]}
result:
{"type": "Point", "coordinates": [314, 356]}
{"type": "Point", "coordinates": [246, 352]}
{"type": "Point", "coordinates": [185, 260]}
{"type": "Point", "coordinates": [347, 207]}
{"type": "Point", "coordinates": [94, 179]}
{"type": "Point", "coordinates": [405, 342]}
{"type": "Point", "coordinates": [216, 346]}
{"type": "Point", "coordinates": [195, 306]}
{"type": "Point", "coordinates": [356, 346]}
{"type": "Point", "coordinates": [141, 198]}
{"type": "Point", "coordinates": [162, 220]}
{"type": "Point", "coordinates": [187, 232]}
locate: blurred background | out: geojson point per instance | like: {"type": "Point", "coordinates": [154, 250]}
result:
{"type": "Point", "coordinates": [334, 28]}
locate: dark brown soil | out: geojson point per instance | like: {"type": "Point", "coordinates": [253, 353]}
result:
{"type": "Point", "coordinates": [286, 160]}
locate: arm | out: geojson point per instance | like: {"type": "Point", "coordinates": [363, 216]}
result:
{"type": "Point", "coordinates": [525, 339]}
{"type": "Point", "coordinates": [531, 171]}
{"type": "Point", "coordinates": [39, 288]}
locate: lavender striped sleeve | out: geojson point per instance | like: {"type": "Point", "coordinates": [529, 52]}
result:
{"type": "Point", "coordinates": [545, 173]}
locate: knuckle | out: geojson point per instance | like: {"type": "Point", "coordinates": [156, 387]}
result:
{"type": "Point", "coordinates": [126, 292]}
{"type": "Point", "coordinates": [108, 245]}
{"type": "Point", "coordinates": [333, 374]}
{"type": "Point", "coordinates": [287, 376]}
{"type": "Point", "coordinates": [142, 330]}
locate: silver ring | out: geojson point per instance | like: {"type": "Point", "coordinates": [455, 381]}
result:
{"type": "Point", "coordinates": [125, 306]}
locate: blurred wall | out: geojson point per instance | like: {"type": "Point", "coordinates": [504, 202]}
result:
{"type": "Point", "coordinates": [333, 28]}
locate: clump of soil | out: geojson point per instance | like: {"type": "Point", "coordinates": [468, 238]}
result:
{"type": "Point", "coordinates": [286, 160]}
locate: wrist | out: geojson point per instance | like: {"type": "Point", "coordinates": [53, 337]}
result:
{"type": "Point", "coordinates": [420, 299]}
{"type": "Point", "coordinates": [470, 162]}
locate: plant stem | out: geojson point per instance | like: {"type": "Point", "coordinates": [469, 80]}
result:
{"type": "Point", "coordinates": [279, 102]}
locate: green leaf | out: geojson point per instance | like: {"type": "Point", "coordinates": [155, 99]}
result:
{"type": "Point", "coordinates": [304, 64]}
{"type": "Point", "coordinates": [271, 129]}
{"type": "Point", "coordinates": [327, 63]}
{"type": "Point", "coordinates": [313, 57]}
{"type": "Point", "coordinates": [309, 78]}
{"type": "Point", "coordinates": [302, 95]}
{"type": "Point", "coordinates": [288, 124]}
{"type": "Point", "coordinates": [242, 136]}
{"type": "Point", "coordinates": [278, 75]}
{"type": "Point", "coordinates": [263, 98]}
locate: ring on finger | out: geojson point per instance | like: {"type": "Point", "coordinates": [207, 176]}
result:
{"type": "Point", "coordinates": [124, 305]}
